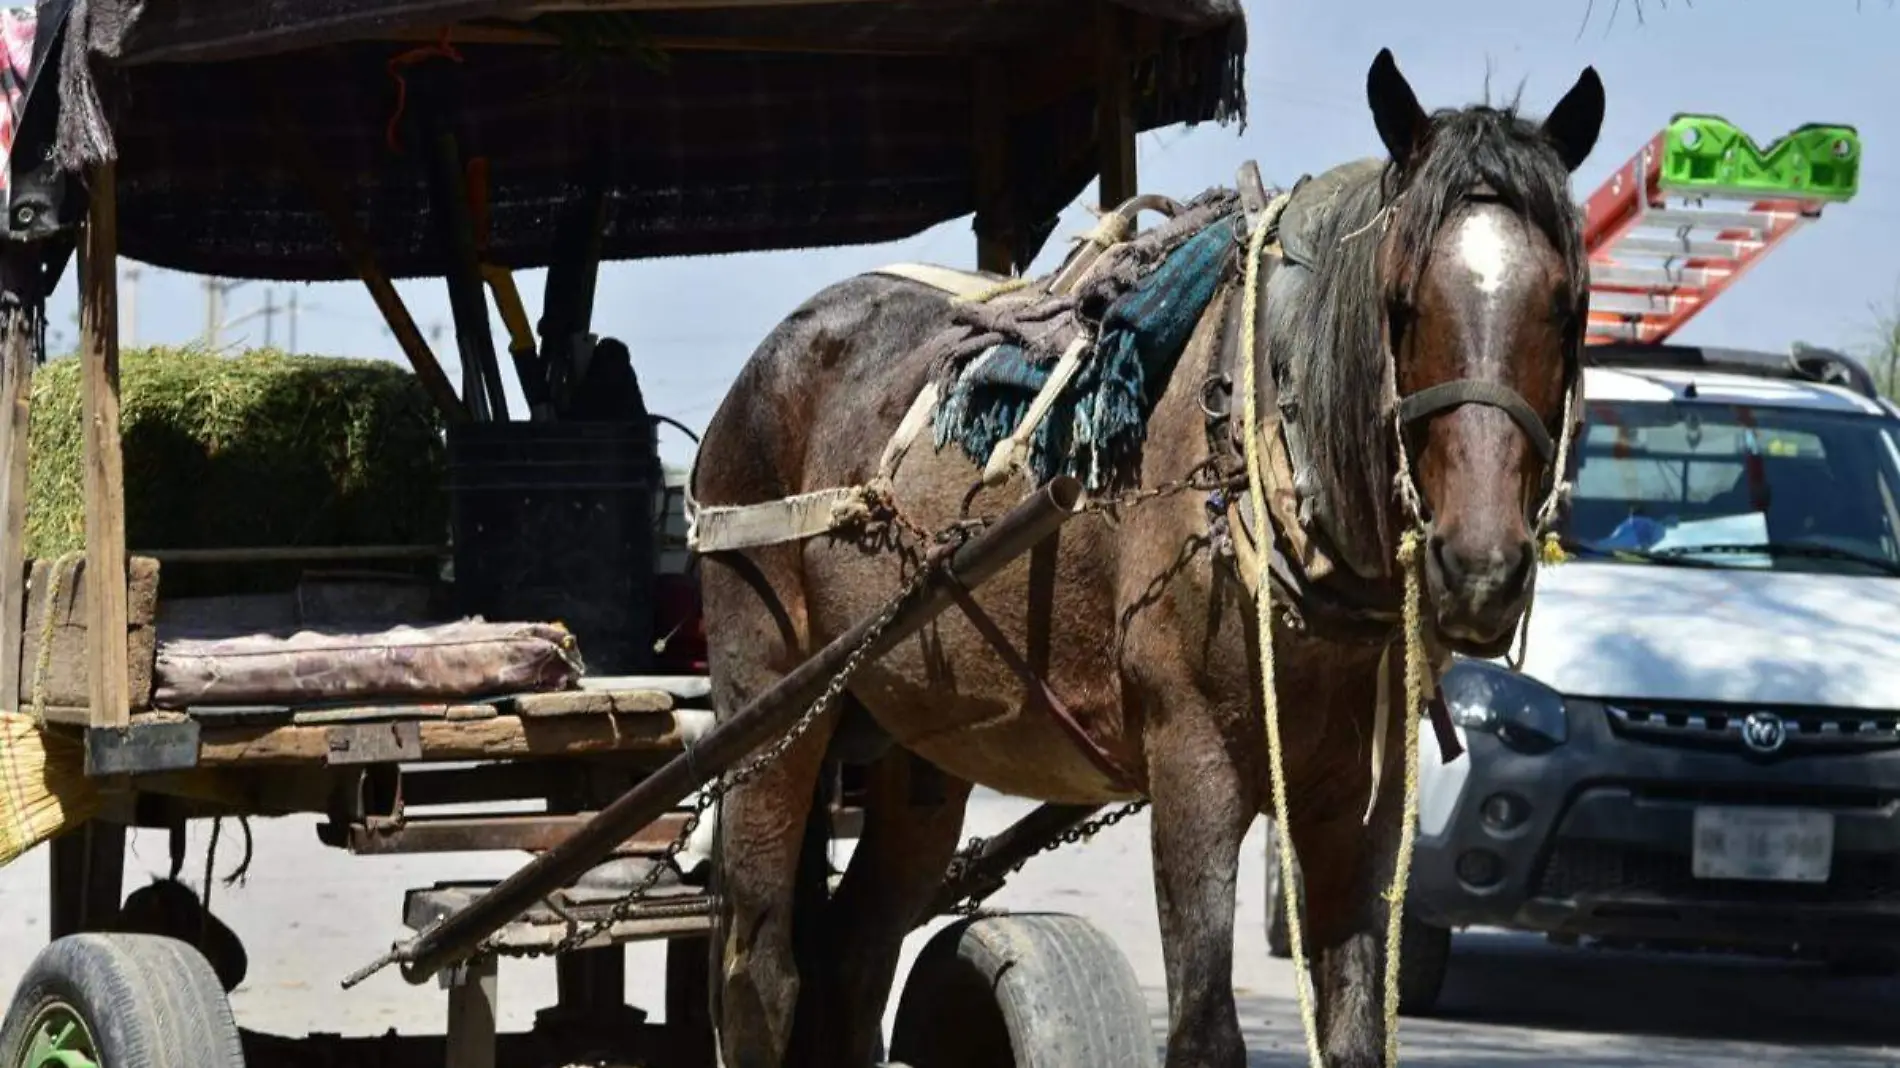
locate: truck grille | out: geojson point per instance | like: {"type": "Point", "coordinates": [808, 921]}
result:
{"type": "Point", "coordinates": [1805, 731]}
{"type": "Point", "coordinates": [1575, 869]}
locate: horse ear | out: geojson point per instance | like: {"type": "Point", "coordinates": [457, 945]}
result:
{"type": "Point", "coordinates": [1395, 108]}
{"type": "Point", "coordinates": [1573, 124]}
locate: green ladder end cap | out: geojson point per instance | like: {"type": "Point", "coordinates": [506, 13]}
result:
{"type": "Point", "coordinates": [1705, 155]}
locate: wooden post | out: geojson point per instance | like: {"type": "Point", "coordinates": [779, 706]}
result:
{"type": "Point", "coordinates": [994, 251]}
{"type": "Point", "coordinates": [1115, 107]}
{"type": "Point", "coordinates": [689, 992]}
{"type": "Point", "coordinates": [472, 1005]}
{"type": "Point", "coordinates": [20, 336]}
{"type": "Point", "coordinates": [104, 466]}
{"type": "Point", "coordinates": [87, 879]}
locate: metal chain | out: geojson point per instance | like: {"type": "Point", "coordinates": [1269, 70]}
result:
{"type": "Point", "coordinates": [1204, 476]}
{"type": "Point", "coordinates": [716, 790]}
{"type": "Point", "coordinates": [1081, 832]}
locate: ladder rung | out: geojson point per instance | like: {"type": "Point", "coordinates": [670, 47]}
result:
{"type": "Point", "coordinates": [1710, 219]}
{"type": "Point", "coordinates": [1633, 303]}
{"type": "Point", "coordinates": [1618, 274]}
{"type": "Point", "coordinates": [1663, 245]}
{"type": "Point", "coordinates": [1618, 330]}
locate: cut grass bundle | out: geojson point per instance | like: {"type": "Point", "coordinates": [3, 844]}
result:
{"type": "Point", "coordinates": [259, 449]}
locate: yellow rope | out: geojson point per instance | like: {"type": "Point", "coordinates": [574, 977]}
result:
{"type": "Point", "coordinates": [984, 296]}
{"type": "Point", "coordinates": [1417, 682]}
{"type": "Point", "coordinates": [1269, 694]}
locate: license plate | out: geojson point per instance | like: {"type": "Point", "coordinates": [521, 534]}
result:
{"type": "Point", "coordinates": [1774, 845]}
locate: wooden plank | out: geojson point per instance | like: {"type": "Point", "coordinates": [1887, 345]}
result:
{"type": "Point", "coordinates": [63, 677]}
{"type": "Point", "coordinates": [263, 554]}
{"type": "Point", "coordinates": [990, 141]}
{"type": "Point", "coordinates": [503, 737]}
{"type": "Point", "coordinates": [368, 713]}
{"type": "Point", "coordinates": [682, 687]}
{"type": "Point", "coordinates": [88, 878]}
{"type": "Point", "coordinates": [19, 350]}
{"type": "Point", "coordinates": [1115, 106]}
{"type": "Point", "coordinates": [589, 703]}
{"type": "Point", "coordinates": [104, 463]}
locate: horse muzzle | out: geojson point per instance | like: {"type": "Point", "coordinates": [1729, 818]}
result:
{"type": "Point", "coordinates": [1479, 589]}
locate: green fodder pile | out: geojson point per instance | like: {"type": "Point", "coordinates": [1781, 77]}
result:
{"type": "Point", "coordinates": [259, 449]}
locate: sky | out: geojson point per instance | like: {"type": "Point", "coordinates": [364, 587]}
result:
{"type": "Point", "coordinates": [1766, 66]}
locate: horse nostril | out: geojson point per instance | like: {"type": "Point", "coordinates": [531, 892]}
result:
{"type": "Point", "coordinates": [1521, 566]}
{"type": "Point", "coordinates": [1449, 568]}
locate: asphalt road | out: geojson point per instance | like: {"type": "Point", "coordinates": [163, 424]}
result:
{"type": "Point", "coordinates": [310, 915]}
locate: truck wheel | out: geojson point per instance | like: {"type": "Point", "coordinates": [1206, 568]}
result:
{"type": "Point", "coordinates": [1023, 991]}
{"type": "Point", "coordinates": [119, 1001]}
{"type": "Point", "coordinates": [1279, 944]}
{"type": "Point", "coordinates": [1424, 955]}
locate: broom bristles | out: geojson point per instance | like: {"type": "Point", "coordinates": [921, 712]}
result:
{"type": "Point", "coordinates": [44, 790]}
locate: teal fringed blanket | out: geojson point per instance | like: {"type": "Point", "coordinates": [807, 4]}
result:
{"type": "Point", "coordinates": [1095, 430]}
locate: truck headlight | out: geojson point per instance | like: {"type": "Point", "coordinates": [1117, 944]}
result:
{"type": "Point", "coordinates": [1525, 714]}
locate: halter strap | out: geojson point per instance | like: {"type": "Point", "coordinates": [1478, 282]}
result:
{"type": "Point", "coordinates": [1433, 400]}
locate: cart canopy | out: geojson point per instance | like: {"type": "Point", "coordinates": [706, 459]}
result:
{"type": "Point", "coordinates": [715, 126]}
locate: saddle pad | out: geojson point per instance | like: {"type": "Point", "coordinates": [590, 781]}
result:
{"type": "Point", "coordinates": [1312, 202]}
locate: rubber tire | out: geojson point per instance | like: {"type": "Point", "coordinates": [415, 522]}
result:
{"type": "Point", "coordinates": [1279, 944]}
{"type": "Point", "coordinates": [149, 1002]}
{"type": "Point", "coordinates": [1030, 990]}
{"type": "Point", "coordinates": [1424, 957]}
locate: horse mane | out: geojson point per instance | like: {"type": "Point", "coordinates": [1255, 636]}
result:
{"type": "Point", "coordinates": [1337, 347]}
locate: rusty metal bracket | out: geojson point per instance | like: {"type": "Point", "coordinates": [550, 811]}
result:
{"type": "Point", "coordinates": [374, 743]}
{"type": "Point", "coordinates": [142, 748]}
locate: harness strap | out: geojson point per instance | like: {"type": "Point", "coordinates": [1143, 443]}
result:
{"type": "Point", "coordinates": [1445, 396]}
{"type": "Point", "coordinates": [963, 285]}
{"type": "Point", "coordinates": [725, 527]}
{"type": "Point", "coordinates": [1104, 761]}
{"type": "Point", "coordinates": [914, 422]}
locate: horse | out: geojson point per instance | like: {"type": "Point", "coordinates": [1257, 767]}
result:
{"type": "Point", "coordinates": [1453, 270]}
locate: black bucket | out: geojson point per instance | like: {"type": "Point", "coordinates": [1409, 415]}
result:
{"type": "Point", "coordinates": [554, 522]}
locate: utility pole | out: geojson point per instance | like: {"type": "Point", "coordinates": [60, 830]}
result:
{"type": "Point", "coordinates": [214, 312]}
{"type": "Point", "coordinates": [293, 321]}
{"type": "Point", "coordinates": [215, 291]}
{"type": "Point", "coordinates": [270, 318]}
{"type": "Point", "coordinates": [129, 305]}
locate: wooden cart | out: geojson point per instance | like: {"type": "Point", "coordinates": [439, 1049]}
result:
{"type": "Point", "coordinates": [301, 141]}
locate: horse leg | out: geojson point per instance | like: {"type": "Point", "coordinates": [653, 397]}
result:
{"type": "Point", "coordinates": [1202, 807]}
{"type": "Point", "coordinates": [1347, 867]}
{"type": "Point", "coordinates": [913, 816]}
{"type": "Point", "coordinates": [762, 823]}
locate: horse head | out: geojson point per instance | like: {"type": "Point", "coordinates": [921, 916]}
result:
{"type": "Point", "coordinates": [1484, 283]}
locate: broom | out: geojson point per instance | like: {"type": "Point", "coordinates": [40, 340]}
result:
{"type": "Point", "coordinates": [43, 785]}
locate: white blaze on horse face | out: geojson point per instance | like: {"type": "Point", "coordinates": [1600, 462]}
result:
{"type": "Point", "coordinates": [1484, 251]}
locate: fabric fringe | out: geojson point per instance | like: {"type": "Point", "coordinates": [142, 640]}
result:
{"type": "Point", "coordinates": [1151, 298]}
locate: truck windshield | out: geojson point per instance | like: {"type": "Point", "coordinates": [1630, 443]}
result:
{"type": "Point", "coordinates": [1724, 485]}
